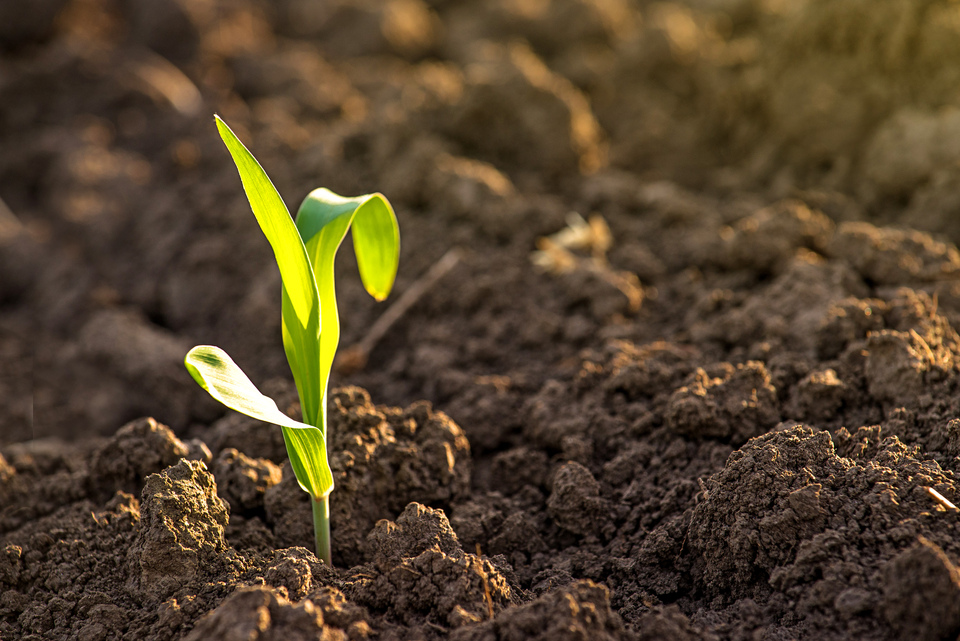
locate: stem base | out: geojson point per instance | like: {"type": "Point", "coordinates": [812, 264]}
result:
{"type": "Point", "coordinates": [321, 527]}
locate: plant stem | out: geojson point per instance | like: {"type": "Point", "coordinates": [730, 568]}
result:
{"type": "Point", "coordinates": [321, 527]}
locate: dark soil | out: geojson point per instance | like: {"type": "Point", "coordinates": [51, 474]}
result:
{"type": "Point", "coordinates": [733, 423]}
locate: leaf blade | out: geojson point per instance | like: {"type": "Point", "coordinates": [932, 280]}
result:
{"type": "Point", "coordinates": [323, 221]}
{"type": "Point", "coordinates": [376, 234]}
{"type": "Point", "coordinates": [277, 226]}
{"type": "Point", "coordinates": [376, 241]}
{"type": "Point", "coordinates": [217, 373]}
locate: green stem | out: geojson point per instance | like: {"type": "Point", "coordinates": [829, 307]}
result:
{"type": "Point", "coordinates": [321, 527]}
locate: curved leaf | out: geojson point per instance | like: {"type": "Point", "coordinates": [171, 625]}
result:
{"type": "Point", "coordinates": [376, 241]}
{"type": "Point", "coordinates": [376, 234]}
{"type": "Point", "coordinates": [323, 221]}
{"type": "Point", "coordinates": [216, 372]}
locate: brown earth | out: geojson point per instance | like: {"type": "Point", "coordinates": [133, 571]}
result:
{"type": "Point", "coordinates": [730, 425]}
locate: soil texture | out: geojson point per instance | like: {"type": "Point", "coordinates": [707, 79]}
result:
{"type": "Point", "coordinates": [684, 363]}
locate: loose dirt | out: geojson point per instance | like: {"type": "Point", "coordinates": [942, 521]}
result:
{"type": "Point", "coordinates": [736, 416]}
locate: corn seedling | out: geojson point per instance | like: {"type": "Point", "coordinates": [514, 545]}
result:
{"type": "Point", "coordinates": [304, 250]}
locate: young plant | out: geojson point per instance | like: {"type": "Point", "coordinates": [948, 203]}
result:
{"type": "Point", "coordinates": [305, 251]}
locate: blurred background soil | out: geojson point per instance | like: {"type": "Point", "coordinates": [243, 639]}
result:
{"type": "Point", "coordinates": [126, 240]}
{"type": "Point", "coordinates": [780, 185]}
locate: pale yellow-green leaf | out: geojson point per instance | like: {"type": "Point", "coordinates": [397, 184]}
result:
{"type": "Point", "coordinates": [216, 372]}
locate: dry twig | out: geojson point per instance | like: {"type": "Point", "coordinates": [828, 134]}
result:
{"type": "Point", "coordinates": [942, 500]}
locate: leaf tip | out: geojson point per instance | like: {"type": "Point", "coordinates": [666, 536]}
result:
{"type": "Point", "coordinates": [222, 127]}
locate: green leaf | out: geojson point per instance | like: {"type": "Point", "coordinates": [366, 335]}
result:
{"type": "Point", "coordinates": [376, 241]}
{"type": "Point", "coordinates": [301, 301]}
{"type": "Point", "coordinates": [276, 224]}
{"type": "Point", "coordinates": [216, 372]}
{"type": "Point", "coordinates": [376, 235]}
{"type": "Point", "coordinates": [323, 221]}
